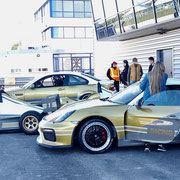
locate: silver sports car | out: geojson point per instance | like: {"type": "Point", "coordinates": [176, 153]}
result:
{"type": "Point", "coordinates": [15, 114]}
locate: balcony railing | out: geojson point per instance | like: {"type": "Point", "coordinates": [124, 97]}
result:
{"type": "Point", "coordinates": [138, 16]}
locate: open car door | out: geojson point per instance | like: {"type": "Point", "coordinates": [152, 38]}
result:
{"type": "Point", "coordinates": [157, 120]}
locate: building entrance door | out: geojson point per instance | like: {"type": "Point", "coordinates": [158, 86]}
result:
{"type": "Point", "coordinates": [165, 56]}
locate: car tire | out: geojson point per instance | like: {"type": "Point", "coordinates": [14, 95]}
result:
{"type": "Point", "coordinates": [85, 96]}
{"type": "Point", "coordinates": [29, 122]}
{"type": "Point", "coordinates": [95, 136]}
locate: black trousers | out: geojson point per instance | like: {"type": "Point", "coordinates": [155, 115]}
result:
{"type": "Point", "coordinates": [116, 85]}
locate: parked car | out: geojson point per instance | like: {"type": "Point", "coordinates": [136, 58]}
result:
{"type": "Point", "coordinates": [97, 123]}
{"type": "Point", "coordinates": [70, 86]}
{"type": "Point", "coordinates": [16, 114]}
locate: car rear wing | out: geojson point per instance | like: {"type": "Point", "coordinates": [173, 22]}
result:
{"type": "Point", "coordinates": [51, 103]}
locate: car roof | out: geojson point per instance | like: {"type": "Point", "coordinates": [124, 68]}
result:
{"type": "Point", "coordinates": [173, 81]}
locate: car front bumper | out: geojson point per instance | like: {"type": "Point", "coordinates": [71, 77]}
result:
{"type": "Point", "coordinates": [55, 135]}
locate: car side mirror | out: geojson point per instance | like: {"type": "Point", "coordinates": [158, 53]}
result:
{"type": "Point", "coordinates": [138, 105]}
{"type": "Point", "coordinates": [1, 97]}
{"type": "Point", "coordinates": [99, 88]}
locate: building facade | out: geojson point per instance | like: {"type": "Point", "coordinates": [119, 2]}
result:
{"type": "Point", "coordinates": [137, 28]}
{"type": "Point", "coordinates": [67, 25]}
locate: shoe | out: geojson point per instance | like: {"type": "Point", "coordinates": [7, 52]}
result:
{"type": "Point", "coordinates": [147, 148]}
{"type": "Point", "coordinates": [161, 148]}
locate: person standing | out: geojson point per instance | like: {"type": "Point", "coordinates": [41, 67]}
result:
{"type": "Point", "coordinates": [135, 72]}
{"type": "Point", "coordinates": [151, 61]}
{"type": "Point", "coordinates": [125, 72]}
{"type": "Point", "coordinates": [154, 82]}
{"type": "Point", "coordinates": [113, 73]}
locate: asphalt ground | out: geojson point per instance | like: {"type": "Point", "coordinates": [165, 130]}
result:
{"type": "Point", "coordinates": [22, 159]}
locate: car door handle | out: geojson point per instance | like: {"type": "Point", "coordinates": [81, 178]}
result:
{"type": "Point", "coordinates": [172, 116]}
{"type": "Point", "coordinates": [61, 89]}
{"type": "Point", "coordinates": [19, 94]}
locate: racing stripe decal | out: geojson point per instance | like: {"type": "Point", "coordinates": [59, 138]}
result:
{"type": "Point", "coordinates": [131, 129]}
{"type": "Point", "coordinates": [10, 125]}
{"type": "Point", "coordinates": [136, 129]}
{"type": "Point", "coordinates": [64, 132]}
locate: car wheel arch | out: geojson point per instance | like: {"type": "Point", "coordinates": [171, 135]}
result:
{"type": "Point", "coordinates": [76, 130]}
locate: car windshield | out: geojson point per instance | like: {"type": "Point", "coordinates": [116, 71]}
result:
{"type": "Point", "coordinates": [29, 83]}
{"type": "Point", "coordinates": [92, 77]}
{"type": "Point", "coordinates": [127, 95]}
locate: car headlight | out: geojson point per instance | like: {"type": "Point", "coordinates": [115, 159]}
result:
{"type": "Point", "coordinates": [64, 117]}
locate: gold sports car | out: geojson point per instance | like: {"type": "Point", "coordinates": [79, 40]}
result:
{"type": "Point", "coordinates": [121, 118]}
{"type": "Point", "coordinates": [70, 86]}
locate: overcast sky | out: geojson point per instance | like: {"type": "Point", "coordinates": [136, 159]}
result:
{"type": "Point", "coordinates": [17, 20]}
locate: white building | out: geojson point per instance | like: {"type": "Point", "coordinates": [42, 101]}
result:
{"type": "Point", "coordinates": [67, 25]}
{"type": "Point", "coordinates": [66, 31]}
{"type": "Point", "coordinates": [137, 28]}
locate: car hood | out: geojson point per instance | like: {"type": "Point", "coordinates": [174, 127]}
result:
{"type": "Point", "coordinates": [12, 89]}
{"type": "Point", "coordinates": [77, 106]}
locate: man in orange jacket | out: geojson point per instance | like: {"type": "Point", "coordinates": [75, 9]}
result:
{"type": "Point", "coordinates": [113, 73]}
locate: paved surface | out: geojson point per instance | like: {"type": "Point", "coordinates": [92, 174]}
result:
{"type": "Point", "coordinates": [22, 159]}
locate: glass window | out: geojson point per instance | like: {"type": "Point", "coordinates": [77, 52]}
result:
{"type": "Point", "coordinates": [89, 32]}
{"type": "Point", "coordinates": [165, 98]}
{"type": "Point", "coordinates": [127, 20]}
{"type": "Point", "coordinates": [69, 32]}
{"type": "Point", "coordinates": [79, 32]}
{"type": "Point", "coordinates": [68, 5]}
{"type": "Point", "coordinates": [76, 80]}
{"type": "Point", "coordinates": [47, 82]}
{"type": "Point", "coordinates": [56, 14]}
{"type": "Point", "coordinates": [165, 10]}
{"type": "Point", "coordinates": [88, 15]}
{"type": "Point", "coordinates": [144, 13]}
{"type": "Point", "coordinates": [79, 15]}
{"type": "Point", "coordinates": [56, 5]}
{"type": "Point", "coordinates": [127, 95]}
{"type": "Point", "coordinates": [79, 6]}
{"type": "Point", "coordinates": [68, 14]}
{"type": "Point", "coordinates": [124, 5]}
{"type": "Point", "coordinates": [87, 6]}
{"type": "Point", "coordinates": [57, 32]}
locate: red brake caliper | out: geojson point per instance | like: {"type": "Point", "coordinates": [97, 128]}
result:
{"type": "Point", "coordinates": [104, 134]}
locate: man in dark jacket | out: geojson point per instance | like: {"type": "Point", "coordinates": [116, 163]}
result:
{"type": "Point", "coordinates": [125, 72]}
{"type": "Point", "coordinates": [113, 73]}
{"type": "Point", "coordinates": [151, 61]}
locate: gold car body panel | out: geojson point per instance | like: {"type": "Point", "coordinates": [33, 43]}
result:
{"type": "Point", "coordinates": [152, 123]}
{"type": "Point", "coordinates": [68, 94]}
{"type": "Point", "coordinates": [65, 130]}
{"type": "Point", "coordinates": [63, 133]}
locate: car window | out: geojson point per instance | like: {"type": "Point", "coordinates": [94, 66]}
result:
{"type": "Point", "coordinates": [44, 82]}
{"type": "Point", "coordinates": [47, 82]}
{"type": "Point", "coordinates": [76, 80]}
{"type": "Point", "coordinates": [127, 95]}
{"type": "Point", "coordinates": [165, 98]}
{"type": "Point", "coordinates": [58, 80]}
{"type": "Point", "coordinates": [173, 87]}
